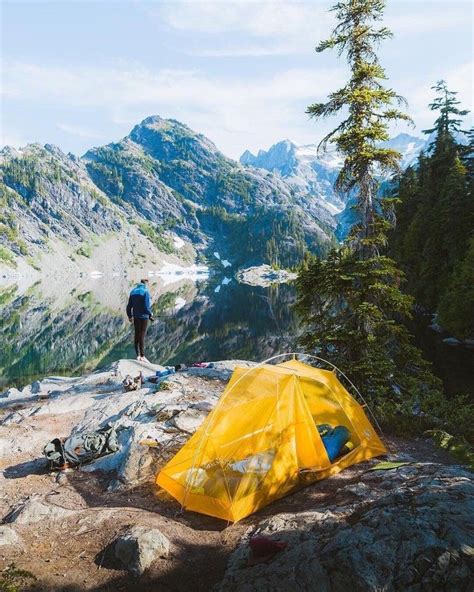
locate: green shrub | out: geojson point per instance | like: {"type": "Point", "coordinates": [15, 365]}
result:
{"type": "Point", "coordinates": [14, 579]}
{"type": "Point", "coordinates": [160, 241]}
{"type": "Point", "coordinates": [458, 446]}
{"type": "Point", "coordinates": [85, 250]}
{"type": "Point", "coordinates": [7, 257]}
{"type": "Point", "coordinates": [454, 415]}
{"type": "Point", "coordinates": [7, 295]}
{"type": "Point", "coordinates": [34, 264]}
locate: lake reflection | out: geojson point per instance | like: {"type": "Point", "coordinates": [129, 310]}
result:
{"type": "Point", "coordinates": [56, 329]}
{"type": "Point", "coordinates": [51, 328]}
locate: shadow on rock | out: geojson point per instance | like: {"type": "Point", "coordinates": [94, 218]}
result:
{"type": "Point", "coordinates": [38, 466]}
{"type": "Point", "coordinates": [107, 559]}
{"type": "Point", "coordinates": [193, 567]}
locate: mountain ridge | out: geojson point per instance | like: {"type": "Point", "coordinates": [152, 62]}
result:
{"type": "Point", "coordinates": [159, 181]}
{"type": "Point", "coordinates": [305, 167]}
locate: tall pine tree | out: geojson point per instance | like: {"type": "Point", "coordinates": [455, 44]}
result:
{"type": "Point", "coordinates": [370, 108]}
{"type": "Point", "coordinates": [351, 303]}
{"type": "Point", "coordinates": [449, 120]}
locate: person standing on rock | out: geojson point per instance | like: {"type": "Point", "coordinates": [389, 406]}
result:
{"type": "Point", "coordinates": [139, 310]}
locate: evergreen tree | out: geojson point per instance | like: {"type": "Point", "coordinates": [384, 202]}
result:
{"type": "Point", "coordinates": [435, 208]}
{"type": "Point", "coordinates": [405, 184]}
{"type": "Point", "coordinates": [448, 220]}
{"type": "Point", "coordinates": [467, 155]}
{"type": "Point", "coordinates": [449, 120]}
{"type": "Point", "coordinates": [370, 108]}
{"type": "Point", "coordinates": [351, 304]}
{"type": "Point", "coordinates": [350, 307]}
{"type": "Point", "coordinates": [456, 308]}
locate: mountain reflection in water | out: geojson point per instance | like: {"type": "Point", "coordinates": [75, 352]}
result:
{"type": "Point", "coordinates": [52, 329]}
{"type": "Point", "coordinates": [48, 331]}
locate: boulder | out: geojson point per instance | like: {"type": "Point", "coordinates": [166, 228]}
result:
{"type": "Point", "coordinates": [452, 341]}
{"type": "Point", "coordinates": [189, 420]}
{"type": "Point", "coordinates": [10, 395]}
{"type": "Point", "coordinates": [9, 537]}
{"type": "Point", "coordinates": [32, 509]}
{"type": "Point", "coordinates": [137, 548]}
{"type": "Point", "coordinates": [407, 529]}
{"type": "Point", "coordinates": [39, 387]}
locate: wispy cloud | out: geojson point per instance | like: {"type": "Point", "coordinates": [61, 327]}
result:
{"type": "Point", "coordinates": [134, 84]}
{"type": "Point", "coordinates": [80, 131]}
{"type": "Point", "coordinates": [234, 111]}
{"type": "Point", "coordinates": [420, 94]}
{"type": "Point", "coordinates": [265, 27]}
{"type": "Point", "coordinates": [424, 17]}
{"type": "Point", "coordinates": [275, 27]}
{"type": "Point", "coordinates": [263, 18]}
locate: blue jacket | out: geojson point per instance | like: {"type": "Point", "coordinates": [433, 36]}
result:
{"type": "Point", "coordinates": [139, 303]}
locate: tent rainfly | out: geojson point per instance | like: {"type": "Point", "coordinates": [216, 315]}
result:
{"type": "Point", "coordinates": [265, 437]}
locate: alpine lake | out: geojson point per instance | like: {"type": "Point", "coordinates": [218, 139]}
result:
{"type": "Point", "coordinates": [69, 328]}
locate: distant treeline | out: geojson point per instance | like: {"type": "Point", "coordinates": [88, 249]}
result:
{"type": "Point", "coordinates": [433, 239]}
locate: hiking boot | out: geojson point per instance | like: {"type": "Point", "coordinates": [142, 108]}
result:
{"type": "Point", "coordinates": [143, 359]}
{"type": "Point", "coordinates": [139, 359]}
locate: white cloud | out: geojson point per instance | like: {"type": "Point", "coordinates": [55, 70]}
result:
{"type": "Point", "coordinates": [257, 17]}
{"type": "Point", "coordinates": [420, 94]}
{"type": "Point", "coordinates": [234, 112]}
{"type": "Point", "coordinates": [81, 132]}
{"type": "Point", "coordinates": [269, 27]}
{"type": "Point", "coordinates": [265, 27]}
{"type": "Point", "coordinates": [433, 18]}
{"type": "Point", "coordinates": [138, 85]}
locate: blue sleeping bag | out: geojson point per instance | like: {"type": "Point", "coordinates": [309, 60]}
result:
{"type": "Point", "coordinates": [334, 441]}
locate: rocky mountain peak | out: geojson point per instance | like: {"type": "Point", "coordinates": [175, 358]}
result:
{"type": "Point", "coordinates": [314, 172]}
{"type": "Point", "coordinates": [280, 157]}
{"type": "Point", "coordinates": [163, 177]}
{"type": "Point", "coordinates": [55, 150]}
{"type": "Point", "coordinates": [169, 139]}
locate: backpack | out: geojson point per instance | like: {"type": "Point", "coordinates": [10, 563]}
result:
{"type": "Point", "coordinates": [81, 448]}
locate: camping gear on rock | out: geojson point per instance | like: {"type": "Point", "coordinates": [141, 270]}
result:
{"type": "Point", "coordinates": [261, 440]}
{"type": "Point", "coordinates": [166, 372]}
{"type": "Point", "coordinates": [131, 383]}
{"type": "Point", "coordinates": [81, 448]}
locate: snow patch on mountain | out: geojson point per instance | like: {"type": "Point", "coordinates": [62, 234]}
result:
{"type": "Point", "coordinates": [314, 172]}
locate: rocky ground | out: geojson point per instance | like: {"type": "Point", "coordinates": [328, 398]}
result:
{"type": "Point", "coordinates": [107, 527]}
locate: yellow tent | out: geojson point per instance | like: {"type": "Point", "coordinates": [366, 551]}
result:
{"type": "Point", "coordinates": [261, 440]}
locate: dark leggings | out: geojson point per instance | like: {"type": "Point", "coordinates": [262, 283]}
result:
{"type": "Point", "coordinates": [140, 332]}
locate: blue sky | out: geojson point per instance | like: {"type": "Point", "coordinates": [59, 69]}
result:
{"type": "Point", "coordinates": [81, 73]}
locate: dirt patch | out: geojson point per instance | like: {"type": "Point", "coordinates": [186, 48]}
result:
{"type": "Point", "coordinates": [67, 554]}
